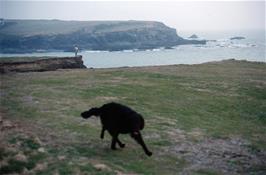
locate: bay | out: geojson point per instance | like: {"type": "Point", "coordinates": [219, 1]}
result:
{"type": "Point", "coordinates": [219, 47]}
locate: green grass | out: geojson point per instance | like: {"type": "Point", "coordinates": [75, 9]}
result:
{"type": "Point", "coordinates": [205, 172]}
{"type": "Point", "coordinates": [17, 166]}
{"type": "Point", "coordinates": [221, 99]}
{"type": "Point", "coordinates": [14, 166]}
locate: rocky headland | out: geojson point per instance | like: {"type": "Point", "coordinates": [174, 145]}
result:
{"type": "Point", "coordinates": [24, 36]}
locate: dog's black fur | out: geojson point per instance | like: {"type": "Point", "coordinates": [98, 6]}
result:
{"type": "Point", "coordinates": [119, 119]}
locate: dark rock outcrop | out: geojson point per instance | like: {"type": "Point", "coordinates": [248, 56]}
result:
{"type": "Point", "coordinates": [194, 36]}
{"type": "Point", "coordinates": [40, 65]}
{"type": "Point", "coordinates": [237, 38]}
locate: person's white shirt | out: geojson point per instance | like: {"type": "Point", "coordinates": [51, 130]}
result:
{"type": "Point", "coordinates": [76, 50]}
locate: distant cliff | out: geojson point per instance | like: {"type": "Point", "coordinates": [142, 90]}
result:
{"type": "Point", "coordinates": [40, 65]}
{"type": "Point", "coordinates": [41, 35]}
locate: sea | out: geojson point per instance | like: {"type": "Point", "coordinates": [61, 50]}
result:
{"type": "Point", "coordinates": [219, 47]}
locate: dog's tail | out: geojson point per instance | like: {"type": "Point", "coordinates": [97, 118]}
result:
{"type": "Point", "coordinates": [91, 112]}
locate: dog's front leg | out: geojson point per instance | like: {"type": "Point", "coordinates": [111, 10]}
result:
{"type": "Point", "coordinates": [102, 133]}
{"type": "Point", "coordinates": [114, 139]}
{"type": "Point", "coordinates": [122, 145]}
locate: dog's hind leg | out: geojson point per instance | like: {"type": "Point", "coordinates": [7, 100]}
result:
{"type": "Point", "coordinates": [137, 136]}
{"type": "Point", "coordinates": [116, 140]}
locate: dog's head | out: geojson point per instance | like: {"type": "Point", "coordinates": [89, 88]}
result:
{"type": "Point", "coordinates": [89, 113]}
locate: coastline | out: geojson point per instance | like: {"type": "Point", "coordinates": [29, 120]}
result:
{"type": "Point", "coordinates": [232, 60]}
{"type": "Point", "coordinates": [41, 64]}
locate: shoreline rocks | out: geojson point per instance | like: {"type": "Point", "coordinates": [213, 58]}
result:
{"type": "Point", "coordinates": [41, 65]}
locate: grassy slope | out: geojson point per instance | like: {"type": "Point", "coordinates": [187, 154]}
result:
{"type": "Point", "coordinates": [222, 100]}
{"type": "Point", "coordinates": [54, 27]}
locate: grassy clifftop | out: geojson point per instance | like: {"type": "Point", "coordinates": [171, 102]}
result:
{"type": "Point", "coordinates": [200, 119]}
{"type": "Point", "coordinates": [53, 27]}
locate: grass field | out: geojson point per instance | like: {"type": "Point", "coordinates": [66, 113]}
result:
{"type": "Point", "coordinates": [200, 119]}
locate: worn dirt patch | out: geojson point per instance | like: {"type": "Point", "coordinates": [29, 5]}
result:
{"type": "Point", "coordinates": [222, 155]}
{"type": "Point", "coordinates": [229, 156]}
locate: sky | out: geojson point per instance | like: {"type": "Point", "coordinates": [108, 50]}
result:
{"type": "Point", "coordinates": [182, 15]}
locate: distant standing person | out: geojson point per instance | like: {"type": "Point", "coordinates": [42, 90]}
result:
{"type": "Point", "coordinates": [76, 50]}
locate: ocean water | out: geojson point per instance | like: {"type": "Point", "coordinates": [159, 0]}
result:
{"type": "Point", "coordinates": [252, 48]}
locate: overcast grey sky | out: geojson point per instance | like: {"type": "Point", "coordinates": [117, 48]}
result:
{"type": "Point", "coordinates": [191, 15]}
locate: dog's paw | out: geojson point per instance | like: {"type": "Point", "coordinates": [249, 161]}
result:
{"type": "Point", "coordinates": [149, 153]}
{"type": "Point", "coordinates": [122, 145]}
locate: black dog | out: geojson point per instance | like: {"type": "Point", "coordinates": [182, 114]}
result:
{"type": "Point", "coordinates": [119, 119]}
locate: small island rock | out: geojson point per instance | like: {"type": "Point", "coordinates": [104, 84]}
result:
{"type": "Point", "coordinates": [237, 38]}
{"type": "Point", "coordinates": [194, 36]}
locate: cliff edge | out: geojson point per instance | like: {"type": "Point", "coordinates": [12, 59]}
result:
{"type": "Point", "coordinates": [40, 65]}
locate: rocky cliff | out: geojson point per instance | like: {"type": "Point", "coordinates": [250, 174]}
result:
{"type": "Point", "coordinates": [40, 65]}
{"type": "Point", "coordinates": [36, 35]}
